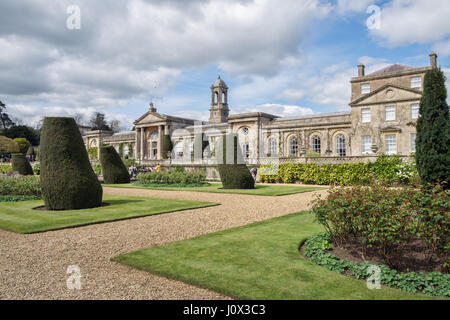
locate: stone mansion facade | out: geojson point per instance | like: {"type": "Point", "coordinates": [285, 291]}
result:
{"type": "Point", "coordinates": [384, 109]}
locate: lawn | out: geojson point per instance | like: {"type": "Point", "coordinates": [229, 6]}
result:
{"type": "Point", "coordinates": [20, 216]}
{"type": "Point", "coordinates": [257, 261]}
{"type": "Point", "coordinates": [260, 190]}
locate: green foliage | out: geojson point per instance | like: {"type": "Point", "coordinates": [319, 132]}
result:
{"type": "Point", "coordinates": [8, 145]}
{"type": "Point", "coordinates": [113, 168]}
{"type": "Point", "coordinates": [167, 146]}
{"type": "Point", "coordinates": [21, 165]}
{"type": "Point", "coordinates": [433, 130]}
{"type": "Point", "coordinates": [312, 154]}
{"type": "Point", "coordinates": [20, 186]}
{"type": "Point", "coordinates": [386, 219]}
{"type": "Point", "coordinates": [172, 178]}
{"type": "Point", "coordinates": [177, 169]}
{"type": "Point", "coordinates": [121, 149]}
{"type": "Point", "coordinates": [93, 153]}
{"type": "Point", "coordinates": [17, 198]}
{"type": "Point", "coordinates": [97, 169]}
{"type": "Point", "coordinates": [129, 162]}
{"type": "Point", "coordinates": [233, 175]}
{"type": "Point", "coordinates": [30, 134]}
{"type": "Point", "coordinates": [432, 283]}
{"type": "Point", "coordinates": [389, 170]}
{"type": "Point", "coordinates": [6, 168]}
{"type": "Point", "coordinates": [37, 168]}
{"type": "Point", "coordinates": [67, 179]}
{"type": "Point", "coordinates": [130, 151]}
{"type": "Point", "coordinates": [23, 144]}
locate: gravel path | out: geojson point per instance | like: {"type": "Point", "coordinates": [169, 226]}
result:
{"type": "Point", "coordinates": [34, 266]}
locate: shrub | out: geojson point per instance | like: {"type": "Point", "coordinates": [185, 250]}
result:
{"type": "Point", "coordinates": [17, 198]}
{"type": "Point", "coordinates": [20, 186]}
{"type": "Point", "coordinates": [37, 168]}
{"type": "Point", "coordinates": [8, 145]}
{"type": "Point", "coordinates": [93, 153]}
{"type": "Point", "coordinates": [386, 169]}
{"type": "Point", "coordinates": [129, 162]}
{"type": "Point", "coordinates": [386, 219]}
{"type": "Point", "coordinates": [21, 165]}
{"type": "Point", "coordinates": [67, 179]}
{"type": "Point", "coordinates": [23, 144]}
{"type": "Point", "coordinates": [431, 283]}
{"type": "Point", "coordinates": [172, 178]}
{"type": "Point", "coordinates": [167, 146]}
{"type": "Point", "coordinates": [233, 175]}
{"type": "Point", "coordinates": [114, 170]}
{"type": "Point", "coordinates": [5, 168]}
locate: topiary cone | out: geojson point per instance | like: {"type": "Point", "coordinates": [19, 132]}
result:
{"type": "Point", "coordinates": [21, 164]}
{"type": "Point", "coordinates": [67, 178]}
{"type": "Point", "coordinates": [113, 168]}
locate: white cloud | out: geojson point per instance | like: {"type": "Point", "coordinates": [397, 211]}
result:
{"type": "Point", "coordinates": [349, 6]}
{"type": "Point", "coordinates": [408, 22]}
{"type": "Point", "coordinates": [443, 48]}
{"type": "Point", "coordinates": [276, 109]}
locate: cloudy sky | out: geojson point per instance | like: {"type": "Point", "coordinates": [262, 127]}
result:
{"type": "Point", "coordinates": [289, 58]}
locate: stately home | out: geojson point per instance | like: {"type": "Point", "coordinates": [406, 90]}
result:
{"type": "Point", "coordinates": [384, 108]}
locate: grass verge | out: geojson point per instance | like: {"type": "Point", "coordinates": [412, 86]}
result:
{"type": "Point", "coordinates": [257, 261]}
{"type": "Point", "coordinates": [260, 190]}
{"type": "Point", "coordinates": [20, 216]}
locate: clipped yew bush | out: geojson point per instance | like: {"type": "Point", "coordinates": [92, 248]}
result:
{"type": "Point", "coordinates": [113, 168]}
{"type": "Point", "coordinates": [234, 175]}
{"type": "Point", "coordinates": [67, 179]}
{"type": "Point", "coordinates": [21, 165]}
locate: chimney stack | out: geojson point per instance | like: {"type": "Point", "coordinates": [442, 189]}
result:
{"type": "Point", "coordinates": [433, 59]}
{"type": "Point", "coordinates": [361, 68]}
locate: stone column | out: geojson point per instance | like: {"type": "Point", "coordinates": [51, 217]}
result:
{"type": "Point", "coordinates": [160, 140]}
{"type": "Point", "coordinates": [136, 147]}
{"type": "Point", "coordinates": [142, 144]}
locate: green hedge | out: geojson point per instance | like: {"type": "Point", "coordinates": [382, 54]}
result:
{"type": "Point", "coordinates": [386, 169]}
{"type": "Point", "coordinates": [172, 177]}
{"type": "Point", "coordinates": [6, 168]}
{"type": "Point", "coordinates": [21, 165]}
{"type": "Point", "coordinates": [20, 186]}
{"type": "Point", "coordinates": [113, 169]}
{"type": "Point", "coordinates": [236, 176]}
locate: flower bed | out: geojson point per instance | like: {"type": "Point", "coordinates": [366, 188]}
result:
{"type": "Point", "coordinates": [20, 186]}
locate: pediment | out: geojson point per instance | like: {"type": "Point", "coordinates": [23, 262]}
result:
{"type": "Point", "coordinates": [150, 117]}
{"type": "Point", "coordinates": [387, 93]}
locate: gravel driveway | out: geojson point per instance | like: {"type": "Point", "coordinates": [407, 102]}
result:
{"type": "Point", "coordinates": [34, 266]}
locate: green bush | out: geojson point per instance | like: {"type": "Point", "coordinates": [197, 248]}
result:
{"type": "Point", "coordinates": [93, 153]}
{"type": "Point", "coordinates": [236, 176]}
{"type": "Point", "coordinates": [385, 219]}
{"type": "Point", "coordinates": [20, 186]}
{"type": "Point", "coordinates": [431, 283]}
{"type": "Point", "coordinates": [23, 144]}
{"type": "Point", "coordinates": [8, 145]}
{"type": "Point", "coordinates": [6, 168]}
{"type": "Point", "coordinates": [37, 168]}
{"type": "Point", "coordinates": [67, 179]}
{"type": "Point", "coordinates": [113, 168]}
{"type": "Point", "coordinates": [17, 198]}
{"type": "Point", "coordinates": [129, 162]}
{"type": "Point", "coordinates": [172, 178]}
{"type": "Point", "coordinates": [167, 146]}
{"type": "Point", "coordinates": [21, 165]}
{"type": "Point", "coordinates": [390, 170]}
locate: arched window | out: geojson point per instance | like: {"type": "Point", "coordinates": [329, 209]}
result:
{"type": "Point", "coordinates": [293, 146]}
{"type": "Point", "coordinates": [273, 147]}
{"type": "Point", "coordinates": [315, 144]}
{"type": "Point", "coordinates": [178, 150]}
{"type": "Point", "coordinates": [216, 97]}
{"type": "Point", "coordinates": [340, 145]}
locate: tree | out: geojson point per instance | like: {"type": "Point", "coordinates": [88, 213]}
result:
{"type": "Point", "coordinates": [433, 131]}
{"type": "Point", "coordinates": [31, 134]}
{"type": "Point", "coordinates": [21, 165]}
{"type": "Point", "coordinates": [23, 144]}
{"type": "Point", "coordinates": [67, 178]}
{"type": "Point", "coordinates": [5, 120]}
{"type": "Point", "coordinates": [98, 122]}
{"type": "Point", "coordinates": [8, 146]}
{"type": "Point", "coordinates": [114, 125]}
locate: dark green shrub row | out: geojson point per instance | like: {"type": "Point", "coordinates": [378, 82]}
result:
{"type": "Point", "coordinates": [384, 220]}
{"type": "Point", "coordinates": [431, 283]}
{"type": "Point", "coordinates": [17, 198]}
{"type": "Point", "coordinates": [386, 169]}
{"type": "Point", "coordinates": [172, 177]}
{"type": "Point", "coordinates": [20, 186]}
